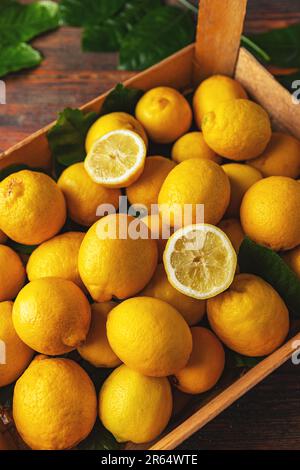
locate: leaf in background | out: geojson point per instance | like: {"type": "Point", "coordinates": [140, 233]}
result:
{"type": "Point", "coordinates": [108, 34]}
{"type": "Point", "coordinates": [18, 57]}
{"type": "Point", "coordinates": [121, 98]}
{"type": "Point", "coordinates": [160, 33]}
{"type": "Point", "coordinates": [287, 80]}
{"type": "Point", "coordinates": [266, 263]}
{"type": "Point", "coordinates": [20, 23]}
{"type": "Point", "coordinates": [100, 439]}
{"type": "Point", "coordinates": [88, 12]}
{"type": "Point", "coordinates": [67, 137]}
{"type": "Point", "coordinates": [18, 167]}
{"type": "Point", "coordinates": [282, 45]}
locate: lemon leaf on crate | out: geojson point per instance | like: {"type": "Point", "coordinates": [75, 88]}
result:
{"type": "Point", "coordinates": [269, 265]}
{"type": "Point", "coordinates": [100, 439]}
{"type": "Point", "coordinates": [108, 34]}
{"type": "Point", "coordinates": [17, 167]}
{"type": "Point", "coordinates": [67, 137]}
{"type": "Point", "coordinates": [244, 361]}
{"type": "Point", "coordinates": [17, 57]}
{"type": "Point", "coordinates": [88, 12]}
{"type": "Point", "coordinates": [159, 34]}
{"type": "Point", "coordinates": [121, 98]}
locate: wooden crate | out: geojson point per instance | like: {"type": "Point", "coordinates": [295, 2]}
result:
{"type": "Point", "coordinates": [216, 51]}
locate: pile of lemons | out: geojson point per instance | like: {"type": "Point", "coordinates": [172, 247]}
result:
{"type": "Point", "coordinates": [135, 304]}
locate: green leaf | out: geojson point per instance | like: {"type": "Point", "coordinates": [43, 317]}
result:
{"type": "Point", "coordinates": [160, 33]}
{"type": "Point", "coordinates": [244, 361]}
{"type": "Point", "coordinates": [23, 249]}
{"type": "Point", "coordinates": [266, 263]}
{"type": "Point", "coordinates": [88, 12]}
{"type": "Point", "coordinates": [109, 34]}
{"type": "Point", "coordinates": [18, 57]}
{"type": "Point", "coordinates": [18, 167]}
{"type": "Point", "coordinates": [100, 439]}
{"type": "Point", "coordinates": [20, 23]}
{"type": "Point", "coordinates": [288, 80]}
{"type": "Point", "coordinates": [67, 137]}
{"type": "Point", "coordinates": [282, 45]}
{"type": "Point", "coordinates": [121, 98]}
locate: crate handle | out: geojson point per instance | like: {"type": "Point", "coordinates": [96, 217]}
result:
{"type": "Point", "coordinates": [219, 29]}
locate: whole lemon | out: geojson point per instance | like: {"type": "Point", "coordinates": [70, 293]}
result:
{"type": "Point", "coordinates": [32, 207]}
{"type": "Point", "coordinates": [234, 231]}
{"type": "Point", "coordinates": [191, 309]}
{"type": "Point", "coordinates": [280, 158]}
{"type": "Point", "coordinates": [212, 91]}
{"type": "Point", "coordinates": [3, 237]}
{"type": "Point", "coordinates": [52, 316]}
{"type": "Point", "coordinates": [270, 212]}
{"type": "Point", "coordinates": [250, 317]}
{"type": "Point", "coordinates": [17, 355]}
{"type": "Point", "coordinates": [84, 196]}
{"type": "Point", "coordinates": [195, 182]}
{"type": "Point", "coordinates": [165, 114]}
{"type": "Point", "coordinates": [113, 122]}
{"type": "Point", "coordinates": [241, 178]}
{"type": "Point", "coordinates": [193, 145]}
{"type": "Point", "coordinates": [237, 129]}
{"type": "Point", "coordinates": [205, 365]}
{"type": "Point", "coordinates": [146, 189]}
{"type": "Point", "coordinates": [54, 404]}
{"type": "Point", "coordinates": [292, 258]}
{"type": "Point", "coordinates": [57, 257]}
{"type": "Point", "coordinates": [12, 273]}
{"type": "Point", "coordinates": [159, 232]}
{"type": "Point", "coordinates": [96, 348]}
{"type": "Point", "coordinates": [134, 407]}
{"type": "Point", "coordinates": [114, 261]}
{"type": "Point", "coordinates": [149, 336]}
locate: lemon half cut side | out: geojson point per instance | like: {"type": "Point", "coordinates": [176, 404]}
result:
{"type": "Point", "coordinates": [200, 261]}
{"type": "Point", "coordinates": [117, 159]}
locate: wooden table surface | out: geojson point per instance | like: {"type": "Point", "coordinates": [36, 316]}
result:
{"type": "Point", "coordinates": [268, 417]}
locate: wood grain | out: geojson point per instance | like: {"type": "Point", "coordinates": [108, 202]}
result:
{"type": "Point", "coordinates": [217, 44]}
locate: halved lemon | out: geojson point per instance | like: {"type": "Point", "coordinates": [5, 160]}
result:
{"type": "Point", "coordinates": [200, 261]}
{"type": "Point", "coordinates": [117, 159]}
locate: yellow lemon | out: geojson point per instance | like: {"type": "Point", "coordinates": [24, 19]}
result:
{"type": "Point", "coordinates": [57, 257]}
{"type": "Point", "coordinates": [250, 317]}
{"type": "Point", "coordinates": [165, 114]}
{"type": "Point", "coordinates": [149, 336]}
{"type": "Point", "coordinates": [192, 310]}
{"type": "Point", "coordinates": [241, 178]}
{"type": "Point", "coordinates": [193, 145]}
{"type": "Point", "coordinates": [96, 348]}
{"type": "Point", "coordinates": [113, 122]}
{"type": "Point", "coordinates": [146, 189]}
{"type": "Point", "coordinates": [200, 261]}
{"type": "Point", "coordinates": [52, 316]}
{"type": "Point", "coordinates": [213, 91]}
{"type": "Point", "coordinates": [134, 407]}
{"type": "Point", "coordinates": [237, 129]}
{"type": "Point", "coordinates": [191, 183]}
{"type": "Point", "coordinates": [280, 158]}
{"type": "Point", "coordinates": [83, 195]}
{"type": "Point", "coordinates": [17, 355]}
{"type": "Point", "coordinates": [54, 404]}
{"type": "Point", "coordinates": [117, 159]}
{"type": "Point", "coordinates": [32, 207]}
{"type": "Point", "coordinates": [270, 212]}
{"type": "Point", "coordinates": [112, 262]}
{"type": "Point", "coordinates": [205, 365]}
{"type": "Point", "coordinates": [292, 258]}
{"type": "Point", "coordinates": [3, 237]}
{"type": "Point", "coordinates": [234, 231]}
{"type": "Point", "coordinates": [159, 232]}
{"type": "Point", "coordinates": [12, 273]}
